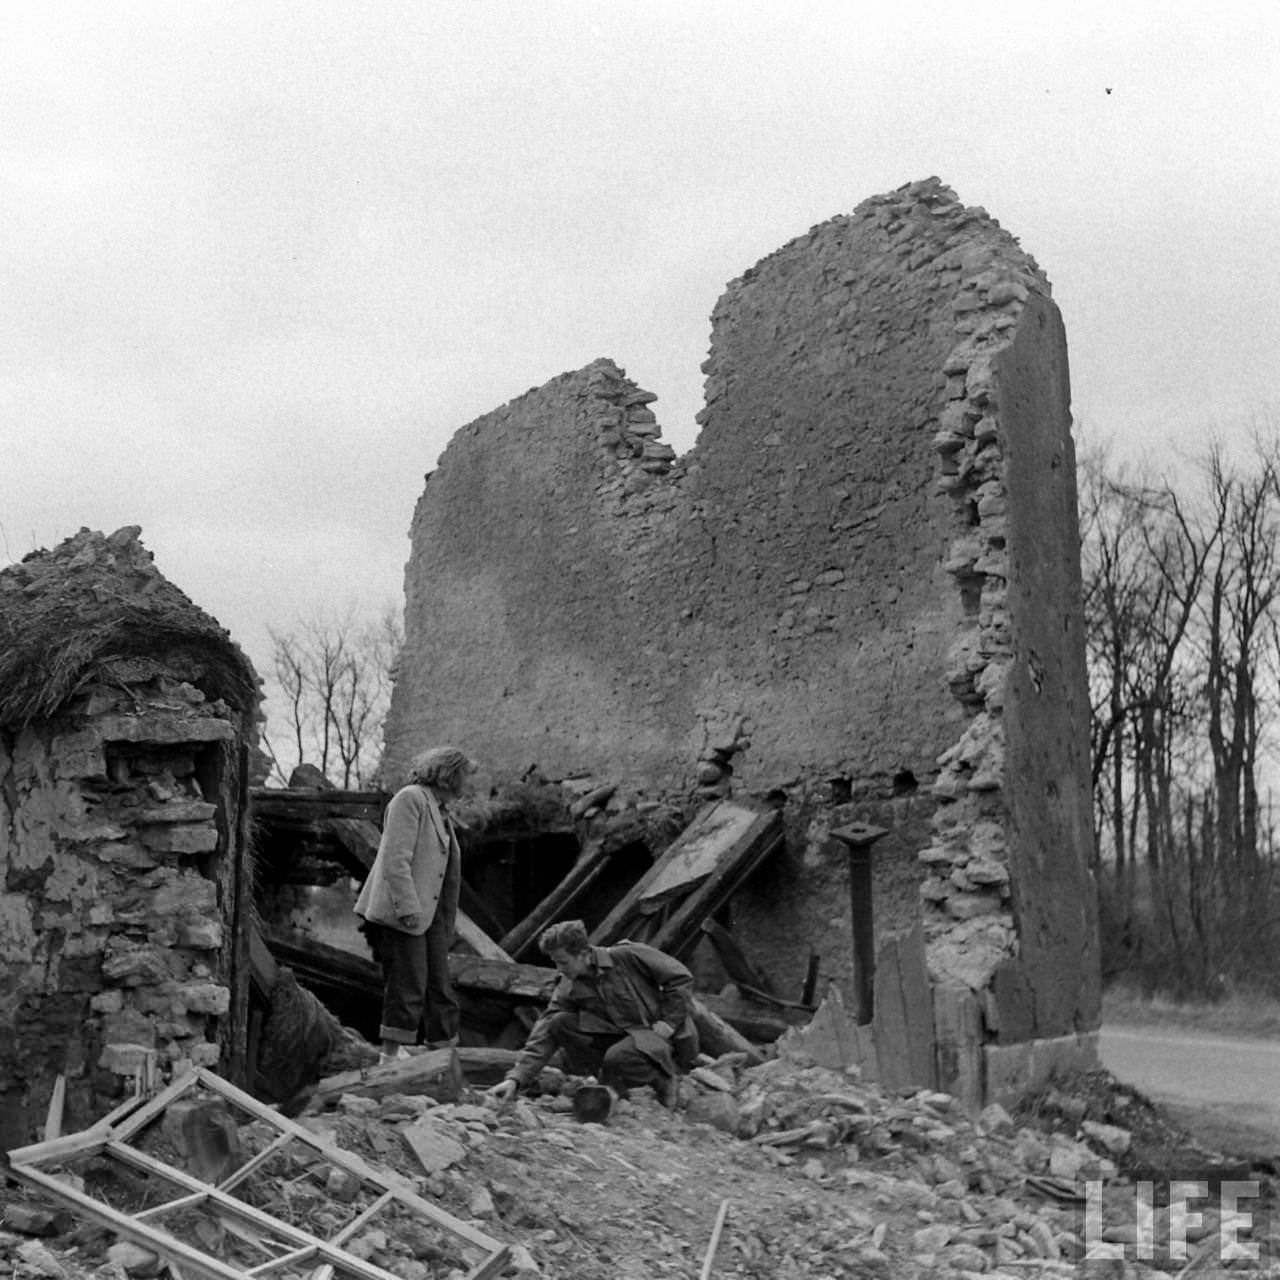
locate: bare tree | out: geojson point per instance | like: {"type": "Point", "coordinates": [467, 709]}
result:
{"type": "Point", "coordinates": [332, 678]}
{"type": "Point", "coordinates": [1182, 596]}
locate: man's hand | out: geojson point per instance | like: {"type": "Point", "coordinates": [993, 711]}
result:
{"type": "Point", "coordinates": [664, 1028]}
{"type": "Point", "coordinates": [412, 922]}
{"type": "Point", "coordinates": [501, 1093]}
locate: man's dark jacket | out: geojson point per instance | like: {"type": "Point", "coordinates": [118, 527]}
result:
{"type": "Point", "coordinates": [627, 988]}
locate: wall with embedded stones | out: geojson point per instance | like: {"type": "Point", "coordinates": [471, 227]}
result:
{"type": "Point", "coordinates": [122, 852]}
{"type": "Point", "coordinates": [839, 598]}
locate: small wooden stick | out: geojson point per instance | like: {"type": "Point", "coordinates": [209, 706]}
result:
{"type": "Point", "coordinates": [57, 1100]}
{"type": "Point", "coordinates": [716, 1232]}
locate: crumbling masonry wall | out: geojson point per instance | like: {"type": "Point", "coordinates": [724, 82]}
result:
{"type": "Point", "coordinates": [858, 594]}
{"type": "Point", "coordinates": [123, 834]}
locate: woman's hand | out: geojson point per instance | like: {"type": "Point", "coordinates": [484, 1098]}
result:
{"type": "Point", "coordinates": [412, 922]}
{"type": "Point", "coordinates": [664, 1028]}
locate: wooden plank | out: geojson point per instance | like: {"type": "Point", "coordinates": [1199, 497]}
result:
{"type": "Point", "coordinates": [364, 1217]}
{"type": "Point", "coordinates": [358, 838]}
{"type": "Point", "coordinates": [709, 1260]}
{"type": "Point", "coordinates": [169, 1206]}
{"type": "Point", "coordinates": [957, 1023]}
{"type": "Point", "coordinates": [237, 1176]}
{"type": "Point", "coordinates": [264, 973]}
{"type": "Point", "coordinates": [809, 992]}
{"type": "Point", "coordinates": [903, 1020]}
{"type": "Point", "coordinates": [436, 1073]}
{"type": "Point", "coordinates": [311, 959]}
{"type": "Point", "coordinates": [298, 806]}
{"type": "Point", "coordinates": [756, 1023]}
{"type": "Point", "coordinates": [361, 1219]}
{"type": "Point", "coordinates": [144, 1115]}
{"type": "Point", "coordinates": [717, 1037]}
{"type": "Point", "coordinates": [681, 931]}
{"type": "Point", "coordinates": [481, 1065]}
{"type": "Point", "coordinates": [475, 937]}
{"type": "Point", "coordinates": [699, 850]}
{"type": "Point", "coordinates": [723, 818]}
{"type": "Point", "coordinates": [284, 1260]}
{"type": "Point", "coordinates": [57, 1100]}
{"type": "Point", "coordinates": [124, 1121]}
{"type": "Point", "coordinates": [478, 1063]}
{"type": "Point", "coordinates": [520, 981]}
{"type": "Point", "coordinates": [736, 962]}
{"type": "Point", "coordinates": [592, 863]}
{"type": "Point", "coordinates": [331, 966]}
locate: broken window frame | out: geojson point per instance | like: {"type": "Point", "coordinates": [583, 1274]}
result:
{"type": "Point", "coordinates": [37, 1165]}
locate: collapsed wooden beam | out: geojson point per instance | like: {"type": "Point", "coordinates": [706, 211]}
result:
{"type": "Point", "coordinates": [706, 864]}
{"type": "Point", "coordinates": [589, 867]}
{"type": "Point", "coordinates": [301, 807]}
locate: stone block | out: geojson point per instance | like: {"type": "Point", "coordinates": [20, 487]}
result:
{"type": "Point", "coordinates": [181, 838]}
{"type": "Point", "coordinates": [128, 1026]}
{"type": "Point", "coordinates": [17, 928]}
{"type": "Point", "coordinates": [132, 966]}
{"type": "Point", "coordinates": [968, 906]}
{"type": "Point", "coordinates": [204, 1054]}
{"type": "Point", "coordinates": [435, 1149]}
{"type": "Point", "coordinates": [187, 894]}
{"type": "Point", "coordinates": [126, 853]}
{"type": "Point", "coordinates": [133, 1260]}
{"type": "Point", "coordinates": [199, 935]}
{"type": "Point", "coordinates": [124, 1059]}
{"type": "Point", "coordinates": [204, 997]}
{"type": "Point", "coordinates": [78, 755]}
{"type": "Point", "coordinates": [29, 1220]}
{"type": "Point", "coordinates": [176, 811]}
{"type": "Point", "coordinates": [162, 727]}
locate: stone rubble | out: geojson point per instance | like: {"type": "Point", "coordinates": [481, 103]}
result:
{"type": "Point", "coordinates": [826, 1176]}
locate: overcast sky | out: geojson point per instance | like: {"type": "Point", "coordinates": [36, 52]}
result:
{"type": "Point", "coordinates": [259, 261]}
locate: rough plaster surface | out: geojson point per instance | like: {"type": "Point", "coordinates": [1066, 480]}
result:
{"type": "Point", "coordinates": [842, 595]}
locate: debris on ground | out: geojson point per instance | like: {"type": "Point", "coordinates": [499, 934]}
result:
{"type": "Point", "coordinates": [777, 1170]}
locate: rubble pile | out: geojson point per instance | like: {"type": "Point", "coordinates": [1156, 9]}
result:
{"type": "Point", "coordinates": [825, 1176]}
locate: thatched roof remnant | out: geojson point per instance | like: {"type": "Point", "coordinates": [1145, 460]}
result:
{"type": "Point", "coordinates": [97, 605]}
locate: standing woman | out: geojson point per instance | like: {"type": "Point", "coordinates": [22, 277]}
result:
{"type": "Point", "coordinates": [411, 900]}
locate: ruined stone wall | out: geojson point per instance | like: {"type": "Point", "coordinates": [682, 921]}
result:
{"type": "Point", "coordinates": [113, 929]}
{"type": "Point", "coordinates": [819, 602]}
{"type": "Point", "coordinates": [122, 854]}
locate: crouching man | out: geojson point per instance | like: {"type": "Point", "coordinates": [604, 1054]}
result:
{"type": "Point", "coordinates": [622, 1014]}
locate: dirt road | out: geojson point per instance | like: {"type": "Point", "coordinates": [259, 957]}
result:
{"type": "Point", "coordinates": [1225, 1091]}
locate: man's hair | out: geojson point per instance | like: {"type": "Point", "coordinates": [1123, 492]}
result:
{"type": "Point", "coordinates": [568, 935]}
{"type": "Point", "coordinates": [440, 766]}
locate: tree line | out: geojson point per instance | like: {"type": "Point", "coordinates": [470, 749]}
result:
{"type": "Point", "coordinates": [1182, 616]}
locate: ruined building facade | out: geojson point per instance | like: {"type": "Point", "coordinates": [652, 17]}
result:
{"type": "Point", "coordinates": [126, 716]}
{"type": "Point", "coordinates": [857, 597]}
